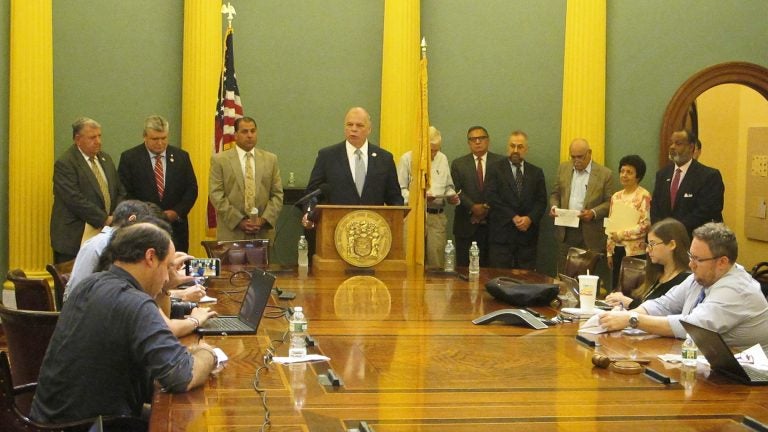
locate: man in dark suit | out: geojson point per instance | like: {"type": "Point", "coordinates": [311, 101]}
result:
{"type": "Point", "coordinates": [470, 221]}
{"type": "Point", "coordinates": [86, 190]}
{"type": "Point", "coordinates": [365, 178]}
{"type": "Point", "coordinates": [686, 189]}
{"type": "Point", "coordinates": [517, 193]}
{"type": "Point", "coordinates": [154, 172]}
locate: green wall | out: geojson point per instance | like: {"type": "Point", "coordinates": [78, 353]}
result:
{"type": "Point", "coordinates": [301, 64]}
{"type": "Point", "coordinates": [116, 62]}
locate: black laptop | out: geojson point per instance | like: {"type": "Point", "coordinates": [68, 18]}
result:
{"type": "Point", "coordinates": [720, 357]}
{"type": "Point", "coordinates": [251, 310]}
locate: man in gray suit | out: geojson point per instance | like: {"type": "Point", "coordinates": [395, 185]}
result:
{"type": "Point", "coordinates": [242, 179]}
{"type": "Point", "coordinates": [582, 185]}
{"type": "Point", "coordinates": [470, 222]}
{"type": "Point", "coordinates": [86, 189]}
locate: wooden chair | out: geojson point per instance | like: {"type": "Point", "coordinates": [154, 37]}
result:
{"type": "Point", "coordinates": [31, 294]}
{"type": "Point", "coordinates": [760, 274]}
{"type": "Point", "coordinates": [60, 274]}
{"type": "Point", "coordinates": [14, 418]}
{"type": "Point", "coordinates": [631, 274]}
{"type": "Point", "coordinates": [27, 334]}
{"type": "Point", "coordinates": [245, 253]}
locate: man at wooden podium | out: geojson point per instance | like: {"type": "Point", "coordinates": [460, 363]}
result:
{"type": "Point", "coordinates": [357, 172]}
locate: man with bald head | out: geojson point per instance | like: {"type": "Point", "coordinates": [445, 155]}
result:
{"type": "Point", "coordinates": [356, 171]}
{"type": "Point", "coordinates": [584, 185]}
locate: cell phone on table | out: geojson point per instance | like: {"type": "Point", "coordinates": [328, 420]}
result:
{"type": "Point", "coordinates": [602, 305]}
{"type": "Point", "coordinates": [202, 267]}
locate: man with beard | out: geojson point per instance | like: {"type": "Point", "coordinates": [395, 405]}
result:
{"type": "Point", "coordinates": [517, 194]}
{"type": "Point", "coordinates": [686, 189]}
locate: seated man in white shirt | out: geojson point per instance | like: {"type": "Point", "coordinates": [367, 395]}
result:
{"type": "Point", "coordinates": [441, 189]}
{"type": "Point", "coordinates": [720, 295]}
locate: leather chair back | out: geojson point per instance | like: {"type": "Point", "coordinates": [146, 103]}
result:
{"type": "Point", "coordinates": [239, 253]}
{"type": "Point", "coordinates": [631, 274]}
{"type": "Point", "coordinates": [579, 261]}
{"type": "Point", "coordinates": [31, 294]}
{"type": "Point", "coordinates": [60, 274]}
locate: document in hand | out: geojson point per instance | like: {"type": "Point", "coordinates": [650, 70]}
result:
{"type": "Point", "coordinates": [567, 217]}
{"type": "Point", "coordinates": [623, 217]}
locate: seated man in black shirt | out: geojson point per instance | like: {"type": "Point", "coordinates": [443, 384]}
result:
{"type": "Point", "coordinates": [110, 343]}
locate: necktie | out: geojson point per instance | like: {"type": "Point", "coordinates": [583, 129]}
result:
{"type": "Point", "coordinates": [359, 172]}
{"type": "Point", "coordinates": [159, 177]}
{"type": "Point", "coordinates": [673, 188]}
{"type": "Point", "coordinates": [480, 174]}
{"type": "Point", "coordinates": [519, 178]}
{"type": "Point", "coordinates": [102, 183]}
{"type": "Point", "coordinates": [250, 184]}
{"type": "Point", "coordinates": [699, 299]}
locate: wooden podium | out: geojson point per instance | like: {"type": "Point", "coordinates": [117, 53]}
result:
{"type": "Point", "coordinates": [327, 257]}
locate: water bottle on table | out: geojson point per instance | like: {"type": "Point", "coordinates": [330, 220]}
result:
{"type": "Point", "coordinates": [297, 327]}
{"type": "Point", "coordinates": [474, 260]}
{"type": "Point", "coordinates": [303, 251]}
{"type": "Point", "coordinates": [450, 257]}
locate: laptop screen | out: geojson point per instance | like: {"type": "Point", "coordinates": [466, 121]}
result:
{"type": "Point", "coordinates": [256, 297]}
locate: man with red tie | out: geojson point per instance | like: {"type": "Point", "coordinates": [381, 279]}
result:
{"type": "Point", "coordinates": [161, 174]}
{"type": "Point", "coordinates": [470, 222]}
{"type": "Point", "coordinates": [686, 189]}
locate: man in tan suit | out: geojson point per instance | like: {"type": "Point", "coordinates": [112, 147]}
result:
{"type": "Point", "coordinates": [583, 185]}
{"type": "Point", "coordinates": [242, 179]}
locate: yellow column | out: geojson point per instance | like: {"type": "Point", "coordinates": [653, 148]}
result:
{"type": "Point", "coordinates": [400, 76]}
{"type": "Point", "coordinates": [201, 72]}
{"type": "Point", "coordinates": [584, 76]}
{"type": "Point", "coordinates": [30, 155]}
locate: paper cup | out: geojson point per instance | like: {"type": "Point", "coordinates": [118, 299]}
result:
{"type": "Point", "coordinates": [587, 292]}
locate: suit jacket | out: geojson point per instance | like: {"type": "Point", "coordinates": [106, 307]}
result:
{"type": "Point", "coordinates": [699, 196]}
{"type": "Point", "coordinates": [332, 168]}
{"type": "Point", "coordinates": [137, 174]}
{"type": "Point", "coordinates": [227, 191]}
{"type": "Point", "coordinates": [600, 188]}
{"type": "Point", "coordinates": [77, 198]}
{"type": "Point", "coordinates": [506, 202]}
{"type": "Point", "coordinates": [464, 173]}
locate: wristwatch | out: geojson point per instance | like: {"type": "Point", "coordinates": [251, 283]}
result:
{"type": "Point", "coordinates": [633, 322]}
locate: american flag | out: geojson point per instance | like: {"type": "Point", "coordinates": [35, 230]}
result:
{"type": "Point", "coordinates": [228, 109]}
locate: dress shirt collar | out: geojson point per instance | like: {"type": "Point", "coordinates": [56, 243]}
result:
{"type": "Point", "coordinates": [351, 150]}
{"type": "Point", "coordinates": [684, 167]}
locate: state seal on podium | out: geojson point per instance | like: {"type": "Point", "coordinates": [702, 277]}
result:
{"type": "Point", "coordinates": [363, 238]}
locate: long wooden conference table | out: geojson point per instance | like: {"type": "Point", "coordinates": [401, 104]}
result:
{"type": "Point", "coordinates": [410, 359]}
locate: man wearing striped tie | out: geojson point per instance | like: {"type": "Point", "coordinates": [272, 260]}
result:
{"type": "Point", "coordinates": [719, 295]}
{"type": "Point", "coordinates": [161, 174]}
{"type": "Point", "coordinates": [86, 190]}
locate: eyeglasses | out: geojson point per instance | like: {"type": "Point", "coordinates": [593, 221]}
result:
{"type": "Point", "coordinates": [698, 260]}
{"type": "Point", "coordinates": [477, 138]}
{"type": "Point", "coordinates": [650, 245]}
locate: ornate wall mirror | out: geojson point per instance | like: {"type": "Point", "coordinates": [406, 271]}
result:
{"type": "Point", "coordinates": [679, 110]}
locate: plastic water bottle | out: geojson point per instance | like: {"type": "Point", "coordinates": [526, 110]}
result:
{"type": "Point", "coordinates": [474, 259]}
{"type": "Point", "coordinates": [689, 351]}
{"type": "Point", "coordinates": [450, 257]}
{"type": "Point", "coordinates": [298, 329]}
{"type": "Point", "coordinates": [303, 250]}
